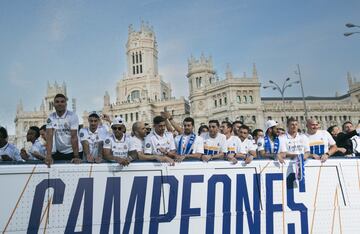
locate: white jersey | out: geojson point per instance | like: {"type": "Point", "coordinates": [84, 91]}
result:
{"type": "Point", "coordinates": [297, 145]}
{"type": "Point", "coordinates": [233, 145]}
{"type": "Point", "coordinates": [356, 144]}
{"type": "Point", "coordinates": [247, 145]}
{"type": "Point", "coordinates": [320, 142]}
{"type": "Point", "coordinates": [215, 145]}
{"type": "Point", "coordinates": [94, 139]}
{"type": "Point", "coordinates": [11, 151]}
{"type": "Point", "coordinates": [136, 144]}
{"type": "Point", "coordinates": [37, 147]}
{"type": "Point", "coordinates": [62, 126]}
{"type": "Point", "coordinates": [153, 142]}
{"type": "Point", "coordinates": [197, 146]}
{"type": "Point", "coordinates": [119, 148]}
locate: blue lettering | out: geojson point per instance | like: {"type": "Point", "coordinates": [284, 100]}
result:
{"type": "Point", "coordinates": [156, 217]}
{"type": "Point", "coordinates": [186, 211]}
{"type": "Point", "coordinates": [112, 195]}
{"type": "Point", "coordinates": [211, 203]}
{"type": "Point", "coordinates": [296, 206]}
{"type": "Point", "coordinates": [36, 209]}
{"type": "Point", "coordinates": [84, 189]}
{"type": "Point", "coordinates": [270, 206]}
{"type": "Point", "coordinates": [242, 198]}
{"type": "Point", "coordinates": [137, 196]}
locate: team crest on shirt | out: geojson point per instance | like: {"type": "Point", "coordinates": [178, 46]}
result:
{"type": "Point", "coordinates": [148, 145]}
{"type": "Point", "coordinates": [125, 147]}
{"type": "Point", "coordinates": [107, 141]}
{"type": "Point", "coordinates": [259, 143]}
{"type": "Point", "coordinates": [81, 134]}
{"type": "Point", "coordinates": [48, 120]}
{"type": "Point", "coordinates": [66, 125]}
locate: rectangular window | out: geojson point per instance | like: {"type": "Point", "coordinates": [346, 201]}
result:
{"type": "Point", "coordinates": [133, 70]}
{"type": "Point", "coordinates": [131, 117]}
{"type": "Point", "coordinates": [220, 101]}
{"type": "Point", "coordinates": [215, 103]}
{"type": "Point", "coordinates": [126, 117]}
{"type": "Point", "coordinates": [140, 57]}
{"type": "Point", "coordinates": [238, 99]}
{"type": "Point", "coordinates": [225, 101]}
{"type": "Point", "coordinates": [137, 116]}
{"type": "Point", "coordinates": [137, 58]}
{"type": "Point", "coordinates": [133, 58]}
{"type": "Point", "coordinates": [137, 69]}
{"type": "Point", "coordinates": [140, 68]}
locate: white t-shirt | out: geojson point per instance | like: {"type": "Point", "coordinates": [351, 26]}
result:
{"type": "Point", "coordinates": [94, 139]}
{"type": "Point", "coordinates": [297, 145]}
{"type": "Point", "coordinates": [233, 145]}
{"type": "Point", "coordinates": [320, 142]}
{"type": "Point", "coordinates": [119, 148]}
{"type": "Point", "coordinates": [11, 151]}
{"type": "Point", "coordinates": [247, 145]}
{"type": "Point", "coordinates": [215, 145]}
{"type": "Point", "coordinates": [153, 142]}
{"type": "Point", "coordinates": [37, 147]}
{"type": "Point", "coordinates": [62, 126]}
{"type": "Point", "coordinates": [136, 144]}
{"type": "Point", "coordinates": [197, 146]}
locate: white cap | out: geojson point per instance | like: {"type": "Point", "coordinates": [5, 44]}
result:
{"type": "Point", "coordinates": [269, 124]}
{"type": "Point", "coordinates": [117, 120]}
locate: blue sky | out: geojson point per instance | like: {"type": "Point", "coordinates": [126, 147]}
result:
{"type": "Point", "coordinates": [83, 43]}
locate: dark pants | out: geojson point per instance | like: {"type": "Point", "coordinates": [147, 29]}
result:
{"type": "Point", "coordinates": [60, 156]}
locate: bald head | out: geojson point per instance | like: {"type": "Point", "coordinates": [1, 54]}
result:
{"type": "Point", "coordinates": [139, 129]}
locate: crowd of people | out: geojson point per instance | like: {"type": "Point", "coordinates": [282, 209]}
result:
{"type": "Point", "coordinates": [170, 142]}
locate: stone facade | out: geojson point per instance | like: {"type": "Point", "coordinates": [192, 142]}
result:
{"type": "Point", "coordinates": [238, 98]}
{"type": "Point", "coordinates": [142, 93]}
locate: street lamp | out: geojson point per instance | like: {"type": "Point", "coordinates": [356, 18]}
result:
{"type": "Point", "coordinates": [286, 84]}
{"type": "Point", "coordinates": [350, 25]}
{"type": "Point", "coordinates": [302, 91]}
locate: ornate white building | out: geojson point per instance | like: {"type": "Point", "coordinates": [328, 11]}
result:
{"type": "Point", "coordinates": [142, 93]}
{"type": "Point", "coordinates": [238, 98]}
{"type": "Point", "coordinates": [24, 118]}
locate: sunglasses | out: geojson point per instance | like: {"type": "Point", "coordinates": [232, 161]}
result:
{"type": "Point", "coordinates": [116, 128]}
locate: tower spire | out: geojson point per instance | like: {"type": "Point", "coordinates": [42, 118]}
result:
{"type": "Point", "coordinates": [255, 75]}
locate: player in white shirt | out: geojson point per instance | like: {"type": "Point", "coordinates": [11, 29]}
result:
{"type": "Point", "coordinates": [247, 144]}
{"type": "Point", "coordinates": [8, 152]}
{"type": "Point", "coordinates": [159, 142]}
{"type": "Point", "coordinates": [214, 142]}
{"type": "Point", "coordinates": [62, 133]}
{"type": "Point", "coordinates": [269, 145]}
{"type": "Point", "coordinates": [137, 145]}
{"type": "Point", "coordinates": [38, 149]}
{"type": "Point", "coordinates": [188, 145]}
{"type": "Point", "coordinates": [293, 143]}
{"type": "Point", "coordinates": [116, 146]}
{"type": "Point", "coordinates": [92, 138]}
{"type": "Point", "coordinates": [232, 142]}
{"type": "Point", "coordinates": [322, 144]}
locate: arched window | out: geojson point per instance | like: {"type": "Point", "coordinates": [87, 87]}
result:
{"type": "Point", "coordinates": [135, 94]}
{"type": "Point", "coordinates": [245, 99]}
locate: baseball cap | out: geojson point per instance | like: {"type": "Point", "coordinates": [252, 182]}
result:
{"type": "Point", "coordinates": [117, 120]}
{"type": "Point", "coordinates": [94, 114]}
{"type": "Point", "coordinates": [269, 124]}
